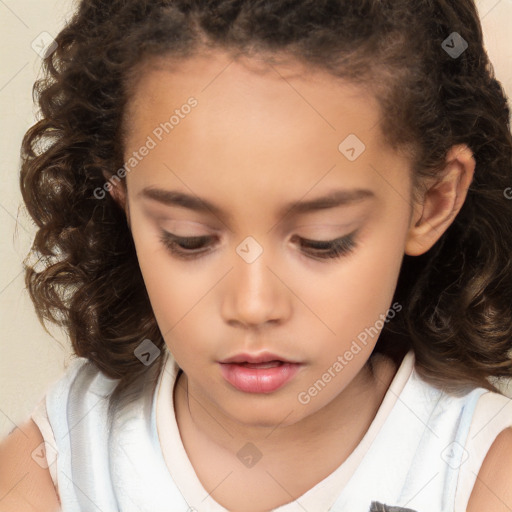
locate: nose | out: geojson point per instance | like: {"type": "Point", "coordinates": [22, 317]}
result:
{"type": "Point", "coordinates": [255, 294]}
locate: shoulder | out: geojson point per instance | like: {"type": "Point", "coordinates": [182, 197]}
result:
{"type": "Point", "coordinates": [492, 491]}
{"type": "Point", "coordinates": [23, 481]}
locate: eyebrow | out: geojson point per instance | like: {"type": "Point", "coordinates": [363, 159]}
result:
{"type": "Point", "coordinates": [335, 198]}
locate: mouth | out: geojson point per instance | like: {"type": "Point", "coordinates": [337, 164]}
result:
{"type": "Point", "coordinates": [263, 373]}
{"type": "Point", "coordinates": [268, 364]}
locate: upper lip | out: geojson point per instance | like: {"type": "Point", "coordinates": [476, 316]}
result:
{"type": "Point", "coordinates": [263, 357]}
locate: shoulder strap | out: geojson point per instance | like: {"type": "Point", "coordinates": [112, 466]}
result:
{"type": "Point", "coordinates": [76, 404]}
{"type": "Point", "coordinates": [86, 414]}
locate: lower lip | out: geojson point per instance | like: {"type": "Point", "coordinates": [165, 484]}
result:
{"type": "Point", "coordinates": [258, 380]}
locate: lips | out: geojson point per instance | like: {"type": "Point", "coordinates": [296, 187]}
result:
{"type": "Point", "coordinates": [258, 373]}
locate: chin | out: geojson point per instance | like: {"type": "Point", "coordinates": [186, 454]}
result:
{"type": "Point", "coordinates": [268, 414]}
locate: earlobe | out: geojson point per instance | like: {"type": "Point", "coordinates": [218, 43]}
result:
{"type": "Point", "coordinates": [441, 201]}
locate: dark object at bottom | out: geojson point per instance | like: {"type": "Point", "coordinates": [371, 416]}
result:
{"type": "Point", "coordinates": [380, 507]}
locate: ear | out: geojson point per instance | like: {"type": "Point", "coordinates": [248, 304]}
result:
{"type": "Point", "coordinates": [118, 194]}
{"type": "Point", "coordinates": [441, 201]}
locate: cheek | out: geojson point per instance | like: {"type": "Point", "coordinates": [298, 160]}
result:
{"type": "Point", "coordinates": [177, 298]}
{"type": "Point", "coordinates": [172, 286]}
{"type": "Point", "coordinates": [351, 300]}
{"type": "Point", "coordinates": [372, 280]}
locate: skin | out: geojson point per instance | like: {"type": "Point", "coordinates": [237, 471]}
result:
{"type": "Point", "coordinates": [259, 138]}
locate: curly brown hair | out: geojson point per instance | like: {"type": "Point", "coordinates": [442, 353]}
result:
{"type": "Point", "coordinates": [457, 297]}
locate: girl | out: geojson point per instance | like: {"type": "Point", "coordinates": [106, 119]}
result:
{"type": "Point", "coordinates": [278, 234]}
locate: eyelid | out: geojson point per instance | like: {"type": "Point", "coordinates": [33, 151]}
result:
{"type": "Point", "coordinates": [330, 241]}
{"type": "Point", "coordinates": [182, 239]}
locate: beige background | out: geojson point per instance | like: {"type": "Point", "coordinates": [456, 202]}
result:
{"type": "Point", "coordinates": [30, 359]}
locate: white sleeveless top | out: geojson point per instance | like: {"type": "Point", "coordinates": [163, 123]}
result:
{"type": "Point", "coordinates": [421, 453]}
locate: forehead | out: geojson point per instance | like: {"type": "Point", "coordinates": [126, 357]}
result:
{"type": "Point", "coordinates": [281, 123]}
{"type": "Point", "coordinates": [225, 83]}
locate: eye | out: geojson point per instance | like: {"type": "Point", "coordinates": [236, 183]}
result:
{"type": "Point", "coordinates": [185, 247]}
{"type": "Point", "coordinates": [330, 248]}
{"type": "Point", "coordinates": [194, 247]}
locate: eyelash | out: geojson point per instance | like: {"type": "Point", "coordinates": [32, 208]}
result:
{"type": "Point", "coordinates": [186, 247]}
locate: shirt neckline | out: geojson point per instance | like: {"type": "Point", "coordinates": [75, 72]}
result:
{"type": "Point", "coordinates": [322, 495]}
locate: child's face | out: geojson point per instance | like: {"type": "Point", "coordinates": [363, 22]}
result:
{"type": "Point", "coordinates": [251, 145]}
